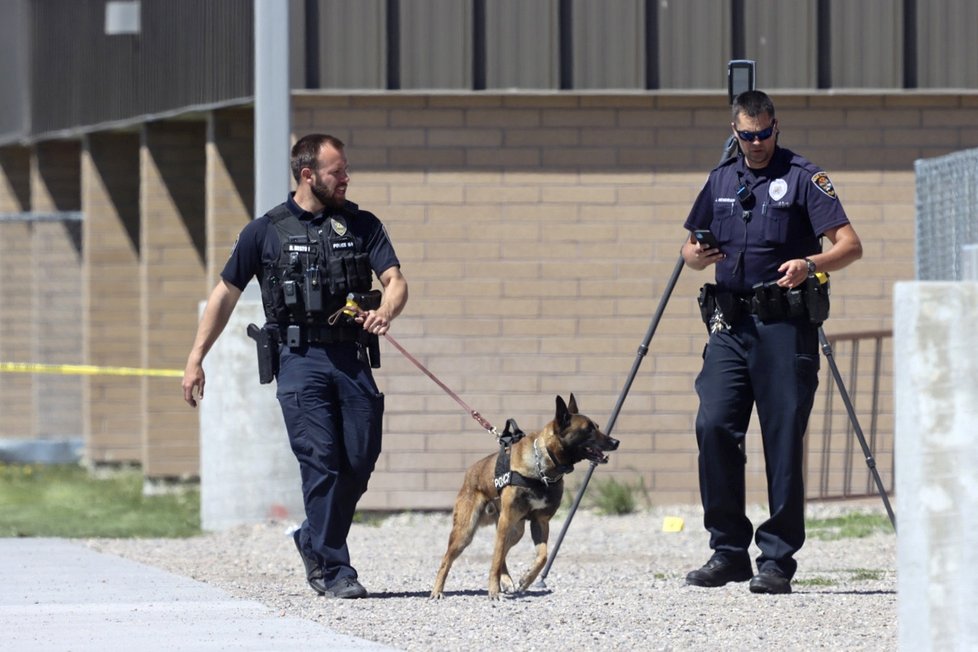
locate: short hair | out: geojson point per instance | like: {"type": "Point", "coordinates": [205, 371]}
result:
{"type": "Point", "coordinates": [752, 104]}
{"type": "Point", "coordinates": [305, 152]}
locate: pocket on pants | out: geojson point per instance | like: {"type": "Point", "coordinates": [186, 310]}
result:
{"type": "Point", "coordinates": [295, 423]}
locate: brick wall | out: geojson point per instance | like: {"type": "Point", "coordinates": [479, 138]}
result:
{"type": "Point", "coordinates": [16, 390]}
{"type": "Point", "coordinates": [230, 184]}
{"type": "Point", "coordinates": [56, 263]}
{"type": "Point", "coordinates": [538, 234]}
{"type": "Point", "coordinates": [173, 282]}
{"type": "Point", "coordinates": [110, 200]}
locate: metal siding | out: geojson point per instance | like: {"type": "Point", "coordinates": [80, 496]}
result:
{"type": "Point", "coordinates": [609, 44]}
{"type": "Point", "coordinates": [867, 44]}
{"type": "Point", "coordinates": [947, 39]}
{"type": "Point", "coordinates": [187, 53]}
{"type": "Point", "coordinates": [694, 44]}
{"type": "Point", "coordinates": [297, 44]}
{"type": "Point", "coordinates": [436, 44]}
{"type": "Point", "coordinates": [522, 44]}
{"type": "Point", "coordinates": [352, 46]}
{"type": "Point", "coordinates": [14, 71]}
{"type": "Point", "coordinates": [781, 38]}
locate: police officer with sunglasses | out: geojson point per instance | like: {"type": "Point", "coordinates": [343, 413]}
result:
{"type": "Point", "coordinates": [768, 209]}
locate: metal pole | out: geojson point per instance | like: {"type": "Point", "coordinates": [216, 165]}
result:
{"type": "Point", "coordinates": [273, 111]}
{"type": "Point", "coordinates": [870, 460]}
{"type": "Point", "coordinates": [643, 349]}
{"type": "Point", "coordinates": [273, 124]}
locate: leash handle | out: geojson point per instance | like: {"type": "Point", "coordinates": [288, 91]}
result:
{"type": "Point", "coordinates": [351, 309]}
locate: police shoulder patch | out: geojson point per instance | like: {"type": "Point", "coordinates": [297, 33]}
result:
{"type": "Point", "coordinates": [823, 183]}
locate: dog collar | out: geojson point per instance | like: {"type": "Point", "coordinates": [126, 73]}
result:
{"type": "Point", "coordinates": [561, 469]}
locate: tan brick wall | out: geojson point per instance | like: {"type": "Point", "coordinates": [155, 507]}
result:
{"type": "Point", "coordinates": [56, 291]}
{"type": "Point", "coordinates": [110, 200]}
{"type": "Point", "coordinates": [230, 184]}
{"type": "Point", "coordinates": [16, 390]}
{"type": "Point", "coordinates": [173, 282]}
{"type": "Point", "coordinates": [538, 234]}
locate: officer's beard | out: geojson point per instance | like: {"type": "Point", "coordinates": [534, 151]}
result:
{"type": "Point", "coordinates": [325, 196]}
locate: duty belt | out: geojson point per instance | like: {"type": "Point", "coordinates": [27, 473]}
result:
{"type": "Point", "coordinates": [744, 302]}
{"type": "Point", "coordinates": [324, 334]}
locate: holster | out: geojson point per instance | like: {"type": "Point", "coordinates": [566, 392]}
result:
{"type": "Point", "coordinates": [366, 300]}
{"type": "Point", "coordinates": [369, 341]}
{"type": "Point", "coordinates": [708, 302]}
{"type": "Point", "coordinates": [817, 297]}
{"type": "Point", "coordinates": [720, 307]}
{"type": "Point", "coordinates": [267, 343]}
{"type": "Point", "coordinates": [370, 345]}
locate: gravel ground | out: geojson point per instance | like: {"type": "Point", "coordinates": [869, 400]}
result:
{"type": "Point", "coordinates": [617, 583]}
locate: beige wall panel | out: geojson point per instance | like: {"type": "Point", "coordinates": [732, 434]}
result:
{"type": "Point", "coordinates": [173, 282]}
{"type": "Point", "coordinates": [110, 200]}
{"type": "Point", "coordinates": [56, 289]}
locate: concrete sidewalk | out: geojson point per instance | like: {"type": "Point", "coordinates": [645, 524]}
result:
{"type": "Point", "coordinates": [60, 595]}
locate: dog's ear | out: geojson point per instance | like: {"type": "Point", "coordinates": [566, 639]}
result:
{"type": "Point", "coordinates": [563, 416]}
{"type": "Point", "coordinates": [572, 405]}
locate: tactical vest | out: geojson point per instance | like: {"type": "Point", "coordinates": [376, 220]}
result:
{"type": "Point", "coordinates": [318, 265]}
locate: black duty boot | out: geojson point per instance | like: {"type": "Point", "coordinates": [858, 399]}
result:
{"type": "Point", "coordinates": [346, 588]}
{"type": "Point", "coordinates": [314, 572]}
{"type": "Point", "coordinates": [770, 580]}
{"type": "Point", "coordinates": [719, 571]}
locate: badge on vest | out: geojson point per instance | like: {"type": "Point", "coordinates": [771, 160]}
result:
{"type": "Point", "coordinates": [778, 189]}
{"type": "Point", "coordinates": [339, 228]}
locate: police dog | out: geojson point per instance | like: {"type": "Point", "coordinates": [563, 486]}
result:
{"type": "Point", "coordinates": [529, 490]}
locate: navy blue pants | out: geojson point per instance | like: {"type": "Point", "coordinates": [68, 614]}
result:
{"type": "Point", "coordinates": [333, 413]}
{"type": "Point", "coordinates": [775, 367]}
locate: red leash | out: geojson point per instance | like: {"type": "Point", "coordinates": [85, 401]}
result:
{"type": "Point", "coordinates": [353, 310]}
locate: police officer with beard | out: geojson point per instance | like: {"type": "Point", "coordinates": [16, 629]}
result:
{"type": "Point", "coordinates": [310, 254]}
{"type": "Point", "coordinates": [767, 209]}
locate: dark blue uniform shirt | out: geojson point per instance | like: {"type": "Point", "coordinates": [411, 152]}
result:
{"type": "Point", "coordinates": [259, 245]}
{"type": "Point", "coordinates": [793, 203]}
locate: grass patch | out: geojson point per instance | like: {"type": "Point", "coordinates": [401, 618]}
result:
{"type": "Point", "coordinates": [614, 498]}
{"type": "Point", "coordinates": [67, 501]}
{"type": "Point", "coordinates": [606, 496]}
{"type": "Point", "coordinates": [867, 575]}
{"type": "Point", "coordinates": [856, 525]}
{"type": "Point", "coordinates": [854, 575]}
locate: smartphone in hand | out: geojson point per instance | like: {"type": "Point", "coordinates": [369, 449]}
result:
{"type": "Point", "coordinates": [706, 238]}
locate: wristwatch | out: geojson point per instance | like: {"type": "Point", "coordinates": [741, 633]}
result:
{"type": "Point", "coordinates": [811, 266]}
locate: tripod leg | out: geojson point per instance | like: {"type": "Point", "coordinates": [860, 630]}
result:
{"type": "Point", "coordinates": [870, 460]}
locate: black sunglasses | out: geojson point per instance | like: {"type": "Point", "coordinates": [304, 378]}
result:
{"type": "Point", "coordinates": [762, 135]}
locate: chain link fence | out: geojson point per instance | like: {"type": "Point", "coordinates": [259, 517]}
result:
{"type": "Point", "coordinates": [947, 215]}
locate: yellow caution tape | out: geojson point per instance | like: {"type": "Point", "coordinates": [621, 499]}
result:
{"type": "Point", "coordinates": [672, 524]}
{"type": "Point", "coordinates": [85, 370]}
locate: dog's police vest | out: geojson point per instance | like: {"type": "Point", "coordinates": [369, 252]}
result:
{"type": "Point", "coordinates": [318, 265]}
